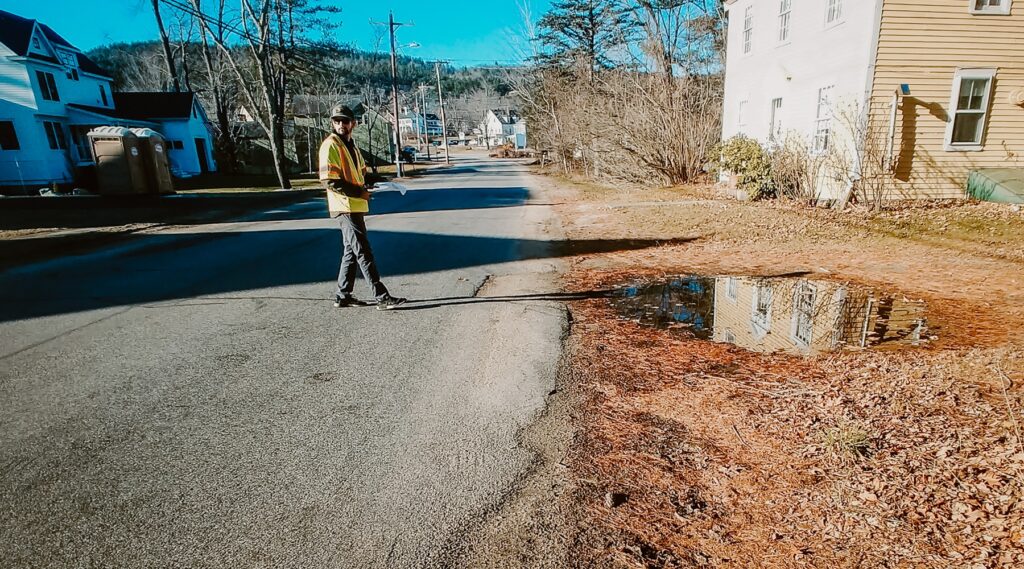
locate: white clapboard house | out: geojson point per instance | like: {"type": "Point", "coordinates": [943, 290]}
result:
{"type": "Point", "coordinates": [51, 95]}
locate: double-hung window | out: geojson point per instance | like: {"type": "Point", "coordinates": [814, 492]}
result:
{"type": "Point", "coordinates": [785, 10]}
{"type": "Point", "coordinates": [775, 120]}
{"type": "Point", "coordinates": [823, 121]}
{"type": "Point", "coordinates": [999, 7]}
{"type": "Point", "coordinates": [748, 29]}
{"type": "Point", "coordinates": [804, 298]}
{"type": "Point", "coordinates": [833, 12]}
{"type": "Point", "coordinates": [47, 86]}
{"type": "Point", "coordinates": [55, 135]}
{"type": "Point", "coordinates": [761, 317]}
{"type": "Point", "coordinates": [968, 106]}
{"type": "Point", "coordinates": [103, 95]}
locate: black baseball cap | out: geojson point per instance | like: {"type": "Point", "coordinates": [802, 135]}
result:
{"type": "Point", "coordinates": [342, 111]}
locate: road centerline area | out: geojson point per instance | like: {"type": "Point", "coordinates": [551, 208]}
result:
{"type": "Point", "coordinates": [254, 423]}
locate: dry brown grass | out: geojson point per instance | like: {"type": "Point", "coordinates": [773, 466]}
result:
{"type": "Point", "coordinates": [853, 459]}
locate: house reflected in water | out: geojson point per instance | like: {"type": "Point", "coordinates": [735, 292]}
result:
{"type": "Point", "coordinates": [776, 314]}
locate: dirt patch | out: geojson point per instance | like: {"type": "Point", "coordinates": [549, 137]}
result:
{"type": "Point", "coordinates": [727, 457]}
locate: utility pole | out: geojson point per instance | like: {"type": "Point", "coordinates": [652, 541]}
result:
{"type": "Point", "coordinates": [426, 127]}
{"type": "Point", "coordinates": [444, 120]}
{"type": "Point", "coordinates": [392, 25]}
{"type": "Point", "coordinates": [415, 117]}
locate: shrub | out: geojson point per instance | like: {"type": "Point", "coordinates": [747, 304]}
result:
{"type": "Point", "coordinates": [751, 164]}
{"type": "Point", "coordinates": [795, 170]}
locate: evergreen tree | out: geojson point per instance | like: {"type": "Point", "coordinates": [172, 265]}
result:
{"type": "Point", "coordinates": [584, 32]}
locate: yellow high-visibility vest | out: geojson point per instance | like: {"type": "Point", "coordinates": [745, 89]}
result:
{"type": "Point", "coordinates": [337, 163]}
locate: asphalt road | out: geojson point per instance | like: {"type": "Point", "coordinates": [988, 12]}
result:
{"type": "Point", "coordinates": [190, 398]}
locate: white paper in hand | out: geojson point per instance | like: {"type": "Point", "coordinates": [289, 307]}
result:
{"type": "Point", "coordinates": [390, 187]}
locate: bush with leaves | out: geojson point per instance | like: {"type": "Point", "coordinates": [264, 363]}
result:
{"type": "Point", "coordinates": [750, 163]}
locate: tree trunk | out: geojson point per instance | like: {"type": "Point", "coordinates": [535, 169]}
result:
{"type": "Point", "coordinates": [168, 56]}
{"type": "Point", "coordinates": [277, 150]}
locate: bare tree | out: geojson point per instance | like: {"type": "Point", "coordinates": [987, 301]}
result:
{"type": "Point", "coordinates": [215, 69]}
{"type": "Point", "coordinates": [270, 31]}
{"type": "Point", "coordinates": [656, 112]}
{"type": "Point", "coordinates": [166, 42]}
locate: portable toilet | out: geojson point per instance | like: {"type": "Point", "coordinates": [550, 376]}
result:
{"type": "Point", "coordinates": [154, 154]}
{"type": "Point", "coordinates": [120, 167]}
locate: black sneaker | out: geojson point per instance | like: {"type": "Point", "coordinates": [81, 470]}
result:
{"type": "Point", "coordinates": [344, 301]}
{"type": "Point", "coordinates": [390, 302]}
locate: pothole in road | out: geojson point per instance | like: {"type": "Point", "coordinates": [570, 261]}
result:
{"type": "Point", "coordinates": [321, 377]}
{"type": "Point", "coordinates": [777, 314]}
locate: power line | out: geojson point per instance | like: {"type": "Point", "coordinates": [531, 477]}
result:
{"type": "Point", "coordinates": [392, 25]}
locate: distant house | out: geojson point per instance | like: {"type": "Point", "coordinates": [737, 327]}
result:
{"type": "Point", "coordinates": [51, 95]}
{"type": "Point", "coordinates": [502, 127]}
{"type": "Point", "coordinates": [416, 124]}
{"type": "Point", "coordinates": [942, 82]}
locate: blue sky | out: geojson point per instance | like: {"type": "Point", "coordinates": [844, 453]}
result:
{"type": "Point", "coordinates": [464, 32]}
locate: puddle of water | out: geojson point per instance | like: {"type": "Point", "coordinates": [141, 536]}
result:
{"type": "Point", "coordinates": [777, 314]}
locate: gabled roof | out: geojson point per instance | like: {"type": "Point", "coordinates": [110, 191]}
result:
{"type": "Point", "coordinates": [106, 115]}
{"type": "Point", "coordinates": [16, 33]}
{"type": "Point", "coordinates": [89, 66]}
{"type": "Point", "coordinates": [154, 105]}
{"type": "Point", "coordinates": [510, 117]}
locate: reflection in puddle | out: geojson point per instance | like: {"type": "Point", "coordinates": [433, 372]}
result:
{"type": "Point", "coordinates": [776, 314]}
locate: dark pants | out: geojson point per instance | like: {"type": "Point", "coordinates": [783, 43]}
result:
{"type": "Point", "coordinates": [357, 250]}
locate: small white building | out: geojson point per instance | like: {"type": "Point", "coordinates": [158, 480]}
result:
{"type": "Point", "coordinates": [412, 124]}
{"type": "Point", "coordinates": [501, 127]}
{"type": "Point", "coordinates": [180, 117]}
{"type": "Point", "coordinates": [794, 66]}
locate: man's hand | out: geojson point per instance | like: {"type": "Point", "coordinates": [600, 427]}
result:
{"type": "Point", "coordinates": [365, 195]}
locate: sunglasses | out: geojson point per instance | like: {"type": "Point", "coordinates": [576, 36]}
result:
{"type": "Point", "coordinates": [344, 120]}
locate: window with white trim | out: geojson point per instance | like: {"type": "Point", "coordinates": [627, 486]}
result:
{"type": "Point", "coordinates": [741, 114]}
{"type": "Point", "coordinates": [785, 10]}
{"type": "Point", "coordinates": [775, 120]}
{"type": "Point", "coordinates": [47, 86]}
{"type": "Point", "coordinates": [804, 298]}
{"type": "Point", "coordinates": [748, 29]}
{"type": "Point", "coordinates": [990, 6]}
{"type": "Point", "coordinates": [762, 309]}
{"type": "Point", "coordinates": [968, 106]}
{"type": "Point", "coordinates": [55, 135]}
{"type": "Point", "coordinates": [833, 12]}
{"type": "Point", "coordinates": [823, 120]}
{"type": "Point", "coordinates": [730, 288]}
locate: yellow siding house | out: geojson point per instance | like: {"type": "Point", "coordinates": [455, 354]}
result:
{"type": "Point", "coordinates": [942, 82]}
{"type": "Point", "coordinates": [956, 68]}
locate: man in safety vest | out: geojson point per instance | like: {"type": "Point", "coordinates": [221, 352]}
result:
{"type": "Point", "coordinates": [342, 173]}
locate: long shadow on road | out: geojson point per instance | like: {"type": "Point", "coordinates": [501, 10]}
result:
{"type": "Point", "coordinates": [165, 267]}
